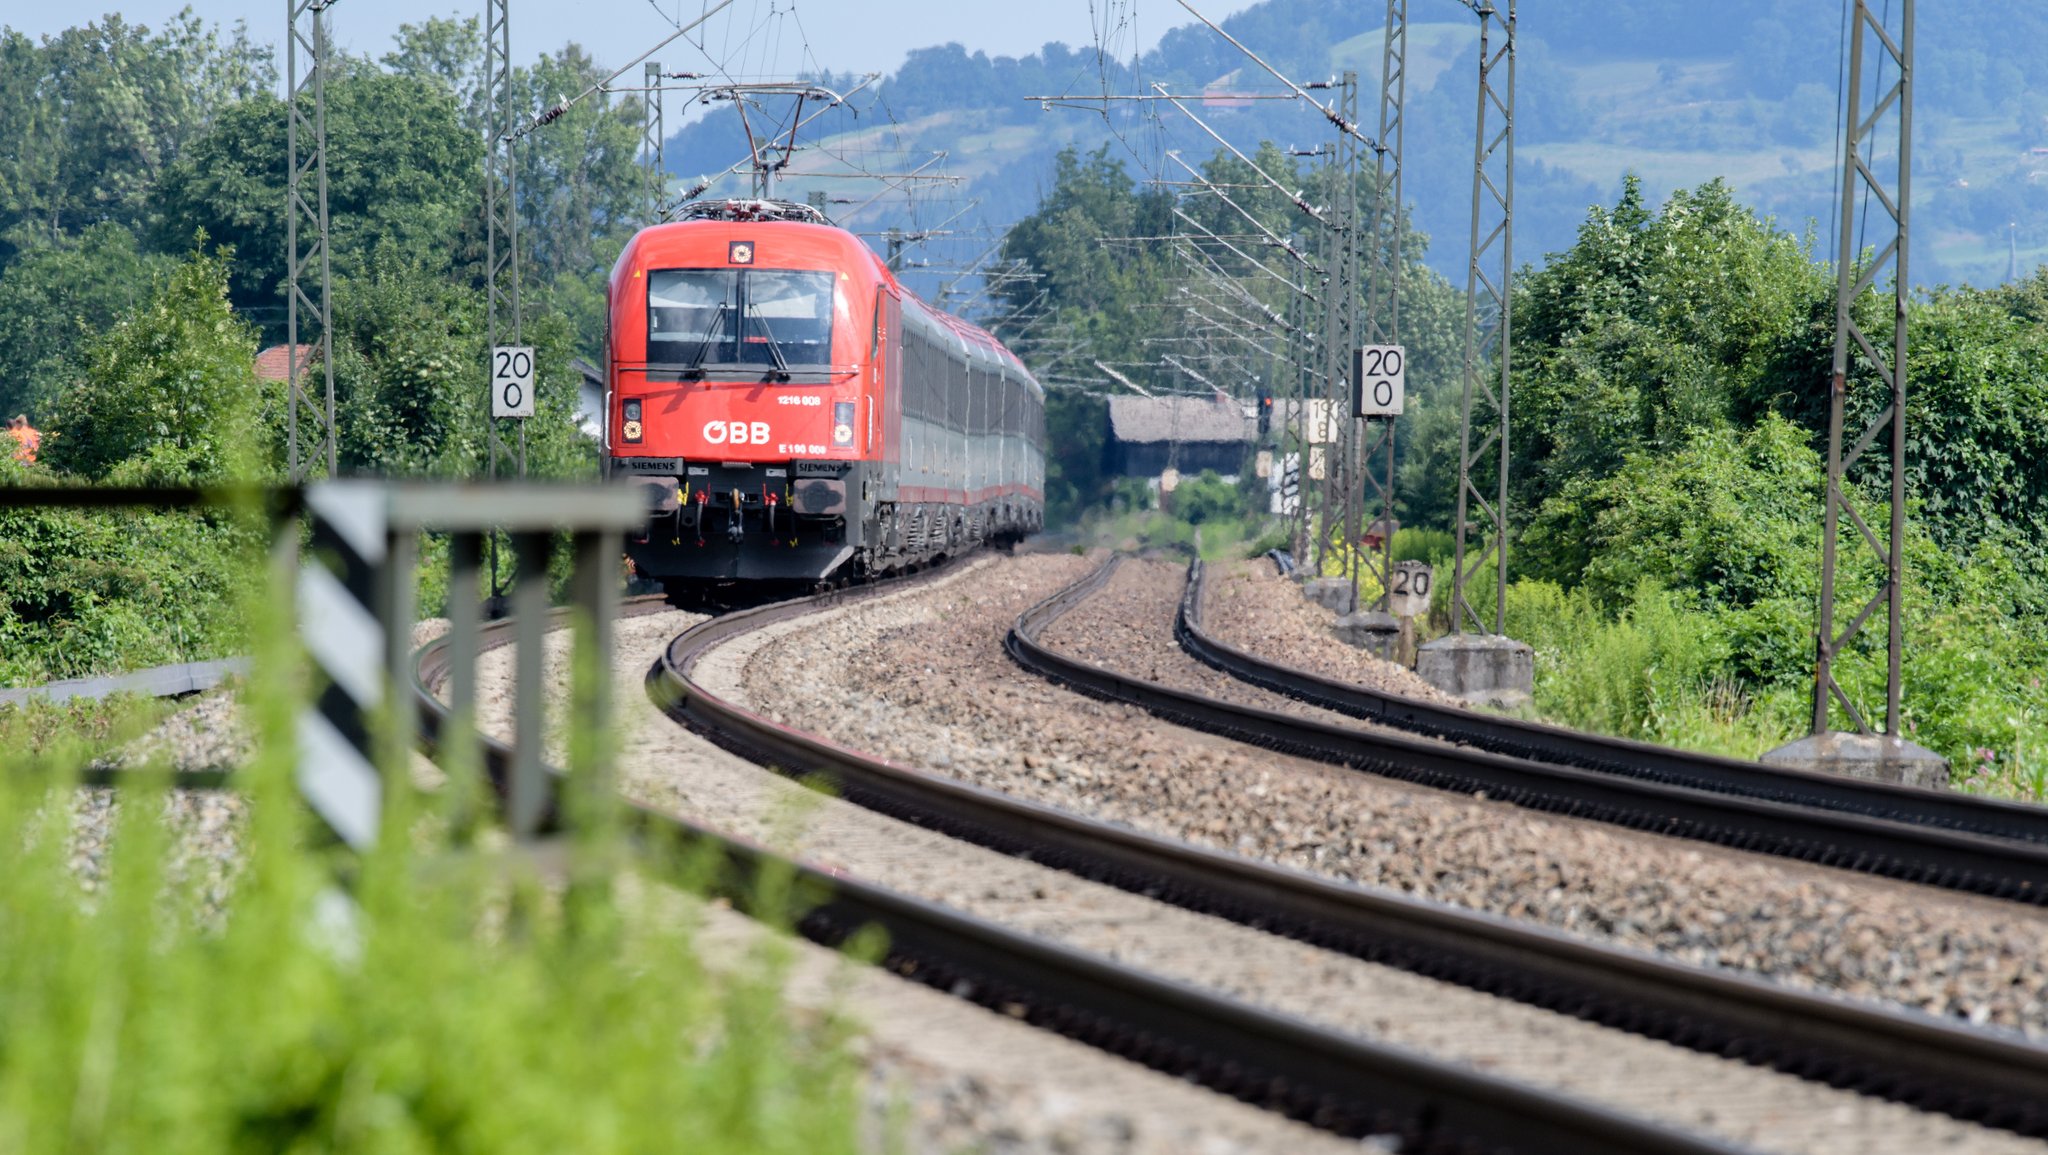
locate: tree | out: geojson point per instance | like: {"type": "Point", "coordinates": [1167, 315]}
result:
{"type": "Point", "coordinates": [170, 389]}
{"type": "Point", "coordinates": [55, 295]}
{"type": "Point", "coordinates": [401, 170]}
{"type": "Point", "coordinates": [449, 53]}
{"type": "Point", "coordinates": [1653, 328]}
{"type": "Point", "coordinates": [97, 113]}
{"type": "Point", "coordinates": [409, 372]}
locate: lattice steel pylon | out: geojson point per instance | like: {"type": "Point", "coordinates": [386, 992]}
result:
{"type": "Point", "coordinates": [1489, 316]}
{"type": "Point", "coordinates": [501, 204]}
{"type": "Point", "coordinates": [1383, 299]}
{"type": "Point", "coordinates": [1852, 278]}
{"type": "Point", "coordinates": [1344, 301]}
{"type": "Point", "coordinates": [651, 140]}
{"type": "Point", "coordinates": [303, 214]}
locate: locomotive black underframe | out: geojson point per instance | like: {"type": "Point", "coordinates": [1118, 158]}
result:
{"type": "Point", "coordinates": [801, 521]}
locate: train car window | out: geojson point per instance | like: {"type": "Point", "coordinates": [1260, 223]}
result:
{"type": "Point", "coordinates": [913, 376]}
{"type": "Point", "coordinates": [956, 406]}
{"type": "Point", "coordinates": [875, 335]}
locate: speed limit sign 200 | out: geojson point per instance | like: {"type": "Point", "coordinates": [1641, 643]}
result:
{"type": "Point", "coordinates": [1379, 375]}
{"type": "Point", "coordinates": [512, 381]}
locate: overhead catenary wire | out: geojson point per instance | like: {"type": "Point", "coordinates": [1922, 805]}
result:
{"type": "Point", "coordinates": [554, 113]}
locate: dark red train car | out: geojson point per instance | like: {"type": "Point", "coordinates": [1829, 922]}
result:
{"type": "Point", "coordinates": [796, 413]}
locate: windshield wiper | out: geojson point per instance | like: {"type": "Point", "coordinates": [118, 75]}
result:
{"type": "Point", "coordinates": [768, 335]}
{"type": "Point", "coordinates": [696, 364]}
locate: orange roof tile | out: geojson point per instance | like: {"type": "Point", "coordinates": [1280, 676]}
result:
{"type": "Point", "coordinates": [274, 363]}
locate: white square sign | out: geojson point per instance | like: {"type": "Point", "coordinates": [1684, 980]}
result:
{"type": "Point", "coordinates": [512, 381]}
{"type": "Point", "coordinates": [1379, 380]}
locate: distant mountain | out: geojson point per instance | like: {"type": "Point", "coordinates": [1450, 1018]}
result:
{"type": "Point", "coordinates": [1678, 91]}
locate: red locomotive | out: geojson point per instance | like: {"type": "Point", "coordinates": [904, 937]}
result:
{"type": "Point", "coordinates": [796, 413]}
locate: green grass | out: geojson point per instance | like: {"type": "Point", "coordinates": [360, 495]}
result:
{"type": "Point", "coordinates": [69, 734]}
{"type": "Point", "coordinates": [472, 1003]}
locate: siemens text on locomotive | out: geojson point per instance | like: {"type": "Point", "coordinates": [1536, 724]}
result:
{"type": "Point", "coordinates": [796, 413]}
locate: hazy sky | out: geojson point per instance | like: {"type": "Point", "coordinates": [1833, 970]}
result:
{"type": "Point", "coordinates": [752, 36]}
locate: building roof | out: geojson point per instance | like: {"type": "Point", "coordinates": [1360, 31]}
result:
{"type": "Point", "coordinates": [1183, 419]}
{"type": "Point", "coordinates": [273, 364]}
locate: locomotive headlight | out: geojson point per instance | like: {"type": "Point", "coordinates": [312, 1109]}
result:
{"type": "Point", "coordinates": [842, 424]}
{"type": "Point", "coordinates": [631, 429]}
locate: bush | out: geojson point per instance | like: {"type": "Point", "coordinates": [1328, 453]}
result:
{"type": "Point", "coordinates": [172, 383]}
{"type": "Point", "coordinates": [1656, 672]}
{"type": "Point", "coordinates": [1207, 498]}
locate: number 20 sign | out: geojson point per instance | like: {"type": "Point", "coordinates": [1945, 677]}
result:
{"type": "Point", "coordinates": [1379, 376]}
{"type": "Point", "coordinates": [512, 381]}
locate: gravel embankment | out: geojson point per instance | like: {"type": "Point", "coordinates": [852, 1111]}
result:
{"type": "Point", "coordinates": [205, 825]}
{"type": "Point", "coordinates": [963, 1078]}
{"type": "Point", "coordinates": [1247, 604]}
{"type": "Point", "coordinates": [839, 672]}
{"type": "Point", "coordinates": [952, 702]}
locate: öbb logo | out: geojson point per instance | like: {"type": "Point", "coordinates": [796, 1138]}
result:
{"type": "Point", "coordinates": [736, 432]}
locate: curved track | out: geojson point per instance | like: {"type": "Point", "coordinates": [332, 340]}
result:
{"type": "Point", "coordinates": [1912, 1058]}
{"type": "Point", "coordinates": [1915, 852]}
{"type": "Point", "coordinates": [1305, 1071]}
{"type": "Point", "coordinates": [1715, 799]}
{"type": "Point", "coordinates": [1913, 806]}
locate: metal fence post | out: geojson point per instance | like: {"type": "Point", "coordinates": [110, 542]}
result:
{"type": "Point", "coordinates": [528, 798]}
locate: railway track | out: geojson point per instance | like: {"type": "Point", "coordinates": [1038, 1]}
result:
{"type": "Point", "coordinates": [1303, 1070]}
{"type": "Point", "coordinates": [1917, 839]}
{"type": "Point", "coordinates": [1912, 1058]}
{"type": "Point", "coordinates": [1912, 806]}
{"type": "Point", "coordinates": [1332, 1080]}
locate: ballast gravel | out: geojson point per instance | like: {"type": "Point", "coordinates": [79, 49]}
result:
{"type": "Point", "coordinates": [1247, 604]}
{"type": "Point", "coordinates": [945, 1076]}
{"type": "Point", "coordinates": [205, 826]}
{"type": "Point", "coordinates": [973, 1086]}
{"type": "Point", "coordinates": [925, 681]}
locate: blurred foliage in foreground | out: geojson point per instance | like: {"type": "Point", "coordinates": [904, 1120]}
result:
{"type": "Point", "coordinates": [469, 1003]}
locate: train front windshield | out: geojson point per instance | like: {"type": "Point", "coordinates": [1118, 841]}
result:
{"type": "Point", "coordinates": [767, 319]}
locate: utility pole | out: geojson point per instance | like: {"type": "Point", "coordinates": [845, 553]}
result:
{"type": "Point", "coordinates": [501, 209]}
{"type": "Point", "coordinates": [1488, 318]}
{"type": "Point", "coordinates": [1887, 757]}
{"type": "Point", "coordinates": [651, 139]}
{"type": "Point", "coordinates": [1344, 332]}
{"type": "Point", "coordinates": [1301, 348]}
{"type": "Point", "coordinates": [1383, 309]}
{"type": "Point", "coordinates": [306, 31]}
{"type": "Point", "coordinates": [1485, 666]}
{"type": "Point", "coordinates": [1329, 256]}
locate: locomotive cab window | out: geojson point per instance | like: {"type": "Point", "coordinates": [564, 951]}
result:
{"type": "Point", "coordinates": [766, 319]}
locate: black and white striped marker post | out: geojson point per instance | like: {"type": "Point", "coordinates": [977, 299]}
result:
{"type": "Point", "coordinates": [356, 609]}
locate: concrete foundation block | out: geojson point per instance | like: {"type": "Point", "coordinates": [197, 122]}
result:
{"type": "Point", "coordinates": [1483, 669]}
{"type": "Point", "coordinates": [1331, 593]}
{"type": "Point", "coordinates": [1873, 757]}
{"type": "Point", "coordinates": [1376, 633]}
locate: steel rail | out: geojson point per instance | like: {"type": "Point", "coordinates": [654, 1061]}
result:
{"type": "Point", "coordinates": [1913, 805]}
{"type": "Point", "coordinates": [1300, 1069]}
{"type": "Point", "coordinates": [1985, 1076]}
{"type": "Point", "coordinates": [1943, 858]}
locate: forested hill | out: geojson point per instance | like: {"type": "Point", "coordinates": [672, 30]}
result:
{"type": "Point", "coordinates": [1675, 90]}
